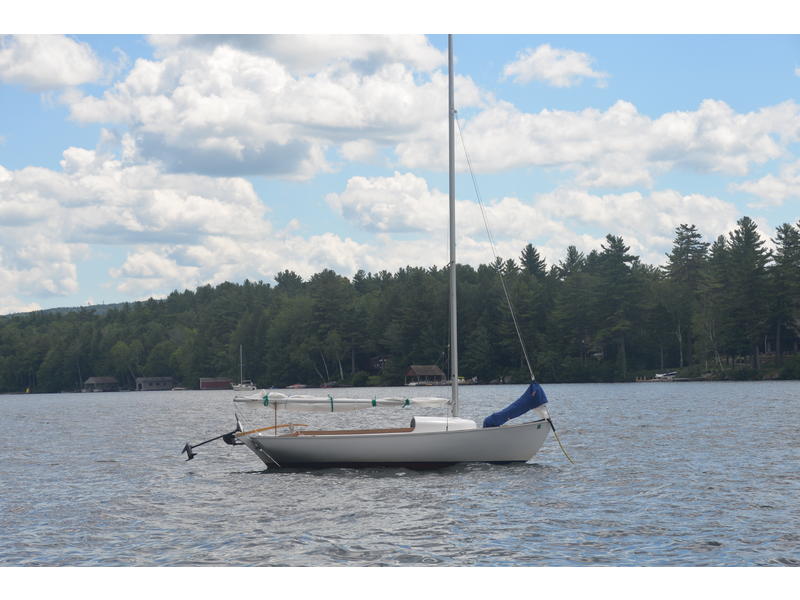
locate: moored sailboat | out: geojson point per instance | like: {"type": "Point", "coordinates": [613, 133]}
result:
{"type": "Point", "coordinates": [244, 385]}
{"type": "Point", "coordinates": [428, 441]}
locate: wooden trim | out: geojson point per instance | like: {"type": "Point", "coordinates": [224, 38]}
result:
{"type": "Point", "coordinates": [241, 433]}
{"type": "Point", "coordinates": [352, 431]}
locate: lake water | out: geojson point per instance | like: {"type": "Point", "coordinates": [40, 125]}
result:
{"type": "Point", "coordinates": [692, 474]}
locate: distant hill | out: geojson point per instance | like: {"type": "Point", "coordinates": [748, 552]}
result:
{"type": "Point", "coordinates": [98, 309]}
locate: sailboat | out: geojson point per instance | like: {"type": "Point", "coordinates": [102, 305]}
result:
{"type": "Point", "coordinates": [244, 385]}
{"type": "Point", "coordinates": [428, 441]}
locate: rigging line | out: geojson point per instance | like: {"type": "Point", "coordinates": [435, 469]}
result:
{"type": "Point", "coordinates": [500, 274]}
{"type": "Point", "coordinates": [492, 244]}
{"type": "Point", "coordinates": [553, 427]}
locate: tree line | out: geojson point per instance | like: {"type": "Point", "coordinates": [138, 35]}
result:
{"type": "Point", "coordinates": [725, 309]}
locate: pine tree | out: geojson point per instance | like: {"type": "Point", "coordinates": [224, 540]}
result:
{"type": "Point", "coordinates": [711, 287]}
{"type": "Point", "coordinates": [574, 262]}
{"type": "Point", "coordinates": [785, 280]}
{"type": "Point", "coordinates": [746, 296]}
{"type": "Point", "coordinates": [619, 298]}
{"type": "Point", "coordinates": [532, 263]}
{"type": "Point", "coordinates": [684, 265]}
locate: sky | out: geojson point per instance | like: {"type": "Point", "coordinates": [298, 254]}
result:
{"type": "Point", "coordinates": [134, 165]}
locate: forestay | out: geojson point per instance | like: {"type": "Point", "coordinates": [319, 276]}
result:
{"type": "Point", "coordinates": [330, 404]}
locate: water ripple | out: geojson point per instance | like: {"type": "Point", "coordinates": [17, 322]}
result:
{"type": "Point", "coordinates": [672, 474]}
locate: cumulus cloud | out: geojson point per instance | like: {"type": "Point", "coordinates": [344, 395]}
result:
{"type": "Point", "coordinates": [773, 190]}
{"type": "Point", "coordinates": [181, 231]}
{"type": "Point", "coordinates": [47, 62]}
{"type": "Point", "coordinates": [359, 151]}
{"type": "Point", "coordinates": [49, 219]}
{"type": "Point", "coordinates": [284, 107]}
{"type": "Point", "coordinates": [164, 267]}
{"type": "Point", "coordinates": [645, 221]}
{"type": "Point", "coordinates": [556, 67]}
{"type": "Point", "coordinates": [225, 106]}
{"type": "Point", "coordinates": [619, 147]}
{"type": "Point", "coordinates": [275, 105]}
{"type": "Point", "coordinates": [178, 231]}
{"type": "Point", "coordinates": [207, 110]}
{"type": "Point", "coordinates": [401, 203]}
{"type": "Point", "coordinates": [10, 305]}
{"type": "Point", "coordinates": [309, 53]}
{"type": "Point", "coordinates": [405, 204]}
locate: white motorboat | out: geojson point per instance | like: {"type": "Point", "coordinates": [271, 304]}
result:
{"type": "Point", "coordinates": [428, 441]}
{"type": "Point", "coordinates": [245, 386]}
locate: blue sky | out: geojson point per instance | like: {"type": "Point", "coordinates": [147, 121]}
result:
{"type": "Point", "coordinates": [133, 165]}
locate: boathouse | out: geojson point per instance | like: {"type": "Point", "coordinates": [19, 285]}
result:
{"type": "Point", "coordinates": [215, 383]}
{"type": "Point", "coordinates": [148, 384]}
{"type": "Point", "coordinates": [424, 375]}
{"type": "Point", "coordinates": [101, 384]}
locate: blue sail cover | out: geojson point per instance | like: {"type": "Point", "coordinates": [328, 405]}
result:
{"type": "Point", "coordinates": [532, 397]}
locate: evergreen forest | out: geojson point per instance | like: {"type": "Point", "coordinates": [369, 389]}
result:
{"type": "Point", "coordinates": [729, 309]}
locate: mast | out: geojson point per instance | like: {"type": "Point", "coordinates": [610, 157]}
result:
{"type": "Point", "coordinates": [452, 168]}
{"type": "Point", "coordinates": [240, 364]}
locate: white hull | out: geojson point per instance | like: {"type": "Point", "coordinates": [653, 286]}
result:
{"type": "Point", "coordinates": [509, 443]}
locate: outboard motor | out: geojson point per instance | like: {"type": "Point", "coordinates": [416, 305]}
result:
{"type": "Point", "coordinates": [228, 438]}
{"type": "Point", "coordinates": [532, 398]}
